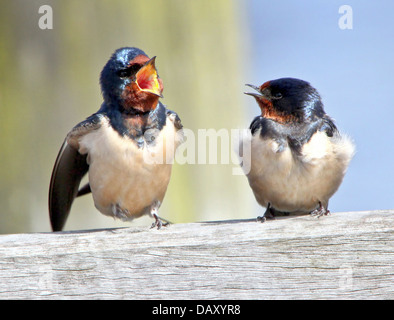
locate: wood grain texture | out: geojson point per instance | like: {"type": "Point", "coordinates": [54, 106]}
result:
{"type": "Point", "coordinates": [343, 256]}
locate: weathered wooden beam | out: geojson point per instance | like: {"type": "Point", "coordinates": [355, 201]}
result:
{"type": "Point", "coordinates": [342, 256]}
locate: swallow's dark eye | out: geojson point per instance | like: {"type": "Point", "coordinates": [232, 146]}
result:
{"type": "Point", "coordinates": [277, 95]}
{"type": "Point", "coordinates": [124, 73]}
{"type": "Point", "coordinates": [127, 72]}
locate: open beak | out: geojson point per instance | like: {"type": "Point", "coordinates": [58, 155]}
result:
{"type": "Point", "coordinates": [254, 94]}
{"type": "Point", "coordinates": [147, 78]}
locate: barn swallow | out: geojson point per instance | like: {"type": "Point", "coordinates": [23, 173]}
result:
{"type": "Point", "coordinates": [114, 145]}
{"type": "Point", "coordinates": [298, 156]}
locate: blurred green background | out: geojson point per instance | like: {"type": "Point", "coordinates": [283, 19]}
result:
{"type": "Point", "coordinates": [49, 83]}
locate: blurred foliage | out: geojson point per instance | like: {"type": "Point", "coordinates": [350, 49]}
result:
{"type": "Point", "coordinates": [49, 82]}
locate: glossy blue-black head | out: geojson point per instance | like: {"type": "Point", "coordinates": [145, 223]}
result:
{"type": "Point", "coordinates": [288, 99]}
{"type": "Point", "coordinates": [130, 79]}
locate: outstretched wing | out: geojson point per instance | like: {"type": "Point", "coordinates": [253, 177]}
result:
{"type": "Point", "coordinates": [69, 169]}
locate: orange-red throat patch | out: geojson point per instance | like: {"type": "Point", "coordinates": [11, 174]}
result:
{"type": "Point", "coordinates": [270, 112]}
{"type": "Point", "coordinates": [266, 105]}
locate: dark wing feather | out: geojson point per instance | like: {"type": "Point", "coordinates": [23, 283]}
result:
{"type": "Point", "coordinates": [329, 126]}
{"type": "Point", "coordinates": [175, 118]}
{"type": "Point", "coordinates": [84, 190]}
{"type": "Point", "coordinates": [69, 169]}
{"type": "Point", "coordinates": [256, 124]}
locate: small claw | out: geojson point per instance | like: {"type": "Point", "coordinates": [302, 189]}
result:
{"type": "Point", "coordinates": [268, 214]}
{"type": "Point", "coordinates": [320, 211]}
{"type": "Point", "coordinates": [159, 223]}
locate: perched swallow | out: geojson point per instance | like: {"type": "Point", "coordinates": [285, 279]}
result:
{"type": "Point", "coordinates": [298, 157]}
{"type": "Point", "coordinates": [115, 145]}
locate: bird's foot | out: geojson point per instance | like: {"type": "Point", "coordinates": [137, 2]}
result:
{"type": "Point", "coordinates": [159, 222]}
{"type": "Point", "coordinates": [268, 214]}
{"type": "Point", "coordinates": [320, 211]}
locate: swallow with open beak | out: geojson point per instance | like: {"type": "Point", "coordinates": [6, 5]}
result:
{"type": "Point", "coordinates": [127, 147]}
{"type": "Point", "coordinates": [298, 156]}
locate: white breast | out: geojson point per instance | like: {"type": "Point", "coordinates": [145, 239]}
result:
{"type": "Point", "coordinates": [126, 181]}
{"type": "Point", "coordinates": [293, 182]}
